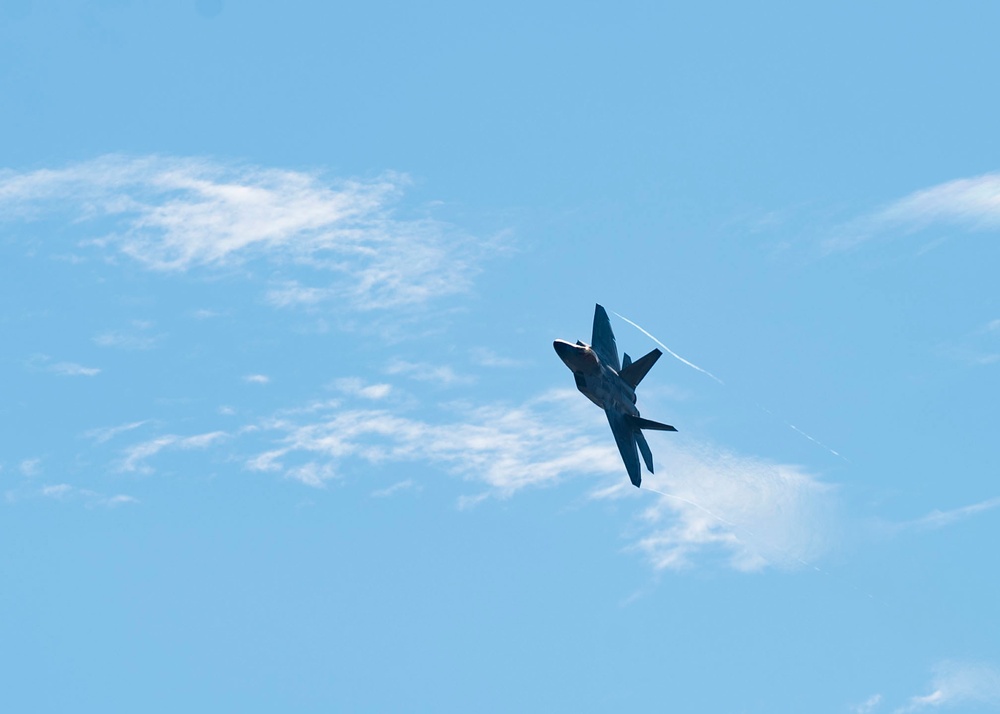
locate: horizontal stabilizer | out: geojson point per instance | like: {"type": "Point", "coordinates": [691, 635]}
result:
{"type": "Point", "coordinates": [633, 372]}
{"type": "Point", "coordinates": [640, 423]}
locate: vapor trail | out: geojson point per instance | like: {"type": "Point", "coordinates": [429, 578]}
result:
{"type": "Point", "coordinates": [813, 440]}
{"type": "Point", "coordinates": [753, 535]}
{"type": "Point", "coordinates": [670, 351]}
{"type": "Point", "coordinates": [705, 371]}
{"type": "Point", "coordinates": [692, 503]}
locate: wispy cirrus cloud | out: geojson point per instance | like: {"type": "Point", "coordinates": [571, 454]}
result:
{"type": "Point", "coordinates": [135, 456]}
{"type": "Point", "coordinates": [868, 706]}
{"type": "Point", "coordinates": [72, 369]}
{"type": "Point", "coordinates": [395, 488]}
{"type": "Point", "coordinates": [424, 372]}
{"type": "Point", "coordinates": [505, 448]}
{"type": "Point", "coordinates": [969, 203]}
{"type": "Point", "coordinates": [956, 684]}
{"type": "Point", "coordinates": [940, 519]}
{"type": "Point", "coordinates": [63, 369]}
{"type": "Point", "coordinates": [751, 512]}
{"type": "Point", "coordinates": [359, 388]}
{"type": "Point", "coordinates": [488, 358]}
{"type": "Point", "coordinates": [176, 214]}
{"type": "Point", "coordinates": [105, 434]}
{"type": "Point", "coordinates": [91, 499]}
{"type": "Point", "coordinates": [138, 337]}
{"type": "Point", "coordinates": [978, 348]}
{"type": "Point", "coordinates": [257, 379]}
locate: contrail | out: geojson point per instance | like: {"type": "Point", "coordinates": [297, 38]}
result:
{"type": "Point", "coordinates": [813, 440]}
{"type": "Point", "coordinates": [705, 371]}
{"type": "Point", "coordinates": [692, 503]}
{"type": "Point", "coordinates": [670, 351]}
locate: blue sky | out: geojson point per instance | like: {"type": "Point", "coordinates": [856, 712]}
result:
{"type": "Point", "coordinates": [283, 427]}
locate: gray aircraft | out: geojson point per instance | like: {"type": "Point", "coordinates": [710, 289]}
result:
{"type": "Point", "coordinates": [611, 386]}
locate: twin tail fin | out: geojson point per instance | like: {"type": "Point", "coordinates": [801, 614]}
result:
{"type": "Point", "coordinates": [633, 372]}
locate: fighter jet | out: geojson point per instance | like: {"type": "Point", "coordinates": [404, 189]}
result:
{"type": "Point", "coordinates": [611, 386]}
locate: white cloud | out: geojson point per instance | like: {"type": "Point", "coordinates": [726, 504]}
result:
{"type": "Point", "coordinates": [205, 314]}
{"type": "Point", "coordinates": [63, 369]}
{"type": "Point", "coordinates": [358, 387]}
{"type": "Point", "coordinates": [940, 519]}
{"type": "Point", "coordinates": [393, 489]}
{"type": "Point", "coordinates": [65, 492]}
{"type": "Point", "coordinates": [868, 706]}
{"type": "Point", "coordinates": [424, 372]}
{"type": "Point", "coordinates": [31, 467]}
{"type": "Point", "coordinates": [257, 379]}
{"type": "Point", "coordinates": [507, 448]}
{"type": "Point", "coordinates": [104, 434]}
{"type": "Point", "coordinates": [176, 214]}
{"type": "Point", "coordinates": [57, 491]}
{"type": "Point", "coordinates": [72, 369]}
{"type": "Point", "coordinates": [753, 512]}
{"type": "Point", "coordinates": [957, 684]}
{"type": "Point", "coordinates": [973, 203]}
{"type": "Point", "coordinates": [291, 293]}
{"type": "Point", "coordinates": [488, 358]}
{"type": "Point", "coordinates": [312, 474]}
{"type": "Point", "coordinates": [135, 456]}
{"type": "Point", "coordinates": [979, 347]}
{"type": "Point", "coordinates": [137, 338]}
{"type": "Point", "coordinates": [969, 203]}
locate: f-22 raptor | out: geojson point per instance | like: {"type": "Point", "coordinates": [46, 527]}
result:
{"type": "Point", "coordinates": [611, 386]}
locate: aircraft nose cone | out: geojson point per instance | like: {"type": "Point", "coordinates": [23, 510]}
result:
{"type": "Point", "coordinates": [563, 349]}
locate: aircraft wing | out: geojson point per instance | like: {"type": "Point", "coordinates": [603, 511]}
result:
{"type": "Point", "coordinates": [603, 339]}
{"type": "Point", "coordinates": [625, 439]}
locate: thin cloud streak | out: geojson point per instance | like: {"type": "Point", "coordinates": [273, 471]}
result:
{"type": "Point", "coordinates": [940, 519]}
{"type": "Point", "coordinates": [754, 512]}
{"type": "Point", "coordinates": [423, 372]}
{"type": "Point", "coordinates": [135, 456]}
{"type": "Point", "coordinates": [177, 214]}
{"type": "Point", "coordinates": [869, 705]}
{"type": "Point", "coordinates": [72, 369]}
{"type": "Point", "coordinates": [506, 448]}
{"type": "Point", "coordinates": [359, 388]}
{"type": "Point", "coordinates": [969, 203]}
{"type": "Point", "coordinates": [135, 340]}
{"type": "Point", "coordinates": [104, 434]}
{"type": "Point", "coordinates": [393, 489]}
{"type": "Point", "coordinates": [91, 499]}
{"type": "Point", "coordinates": [62, 369]}
{"type": "Point", "coordinates": [959, 683]}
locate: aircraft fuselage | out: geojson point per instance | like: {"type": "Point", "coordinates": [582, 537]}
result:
{"type": "Point", "coordinates": [597, 381]}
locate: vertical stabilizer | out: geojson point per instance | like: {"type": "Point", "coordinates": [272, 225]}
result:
{"type": "Point", "coordinates": [633, 372]}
